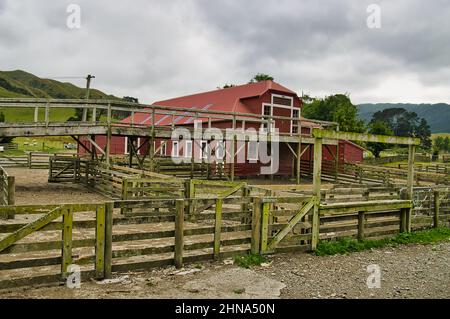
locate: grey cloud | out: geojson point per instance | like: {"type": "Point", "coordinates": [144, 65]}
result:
{"type": "Point", "coordinates": [158, 49]}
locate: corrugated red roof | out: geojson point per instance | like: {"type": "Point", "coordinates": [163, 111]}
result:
{"type": "Point", "coordinates": [229, 100]}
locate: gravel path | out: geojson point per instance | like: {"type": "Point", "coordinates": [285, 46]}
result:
{"type": "Point", "coordinates": [412, 271]}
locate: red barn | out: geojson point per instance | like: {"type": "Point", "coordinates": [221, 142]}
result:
{"type": "Point", "coordinates": [264, 99]}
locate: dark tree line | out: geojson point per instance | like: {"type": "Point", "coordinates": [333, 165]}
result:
{"type": "Point", "coordinates": [441, 144]}
{"type": "Point", "coordinates": [394, 121]}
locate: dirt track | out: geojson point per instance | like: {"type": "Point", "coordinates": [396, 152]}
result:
{"type": "Point", "coordinates": [413, 271]}
{"type": "Point", "coordinates": [32, 187]}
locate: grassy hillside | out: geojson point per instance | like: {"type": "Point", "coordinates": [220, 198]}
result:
{"type": "Point", "coordinates": [22, 84]}
{"type": "Point", "coordinates": [437, 115]}
{"type": "Point", "coordinates": [26, 85]}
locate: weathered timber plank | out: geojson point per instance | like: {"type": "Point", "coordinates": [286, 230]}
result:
{"type": "Point", "coordinates": [29, 228]}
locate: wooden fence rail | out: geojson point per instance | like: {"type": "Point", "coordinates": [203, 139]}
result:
{"type": "Point", "coordinates": [31, 159]}
{"type": "Point", "coordinates": [392, 176]}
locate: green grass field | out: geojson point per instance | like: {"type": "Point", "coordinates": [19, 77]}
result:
{"type": "Point", "coordinates": [24, 115]}
{"type": "Point", "coordinates": [50, 144]}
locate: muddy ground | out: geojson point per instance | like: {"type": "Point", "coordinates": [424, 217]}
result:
{"type": "Point", "coordinates": [32, 187]}
{"type": "Point", "coordinates": [412, 271]}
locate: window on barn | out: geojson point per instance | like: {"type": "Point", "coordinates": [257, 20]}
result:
{"type": "Point", "coordinates": [163, 148]}
{"type": "Point", "coordinates": [220, 151]}
{"type": "Point", "coordinates": [175, 149]}
{"type": "Point", "coordinates": [294, 124]}
{"type": "Point", "coordinates": [188, 149]}
{"type": "Point", "coordinates": [252, 151]}
{"type": "Point", "coordinates": [204, 149]}
{"type": "Point", "coordinates": [136, 144]}
{"type": "Point", "coordinates": [267, 112]}
{"type": "Point", "coordinates": [282, 101]}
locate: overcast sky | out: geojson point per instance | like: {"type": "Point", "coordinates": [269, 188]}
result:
{"type": "Point", "coordinates": [161, 49]}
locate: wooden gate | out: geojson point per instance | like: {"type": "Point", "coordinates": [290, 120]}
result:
{"type": "Point", "coordinates": [64, 169]}
{"type": "Point", "coordinates": [286, 223]}
{"type": "Point", "coordinates": [42, 250]}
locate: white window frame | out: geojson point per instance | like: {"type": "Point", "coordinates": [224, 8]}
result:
{"type": "Point", "coordinates": [292, 121]}
{"type": "Point", "coordinates": [283, 97]}
{"type": "Point", "coordinates": [186, 153]}
{"type": "Point", "coordinates": [163, 149]}
{"type": "Point", "coordinates": [126, 145]}
{"type": "Point", "coordinates": [270, 127]}
{"type": "Point", "coordinates": [177, 153]}
{"type": "Point", "coordinates": [220, 145]}
{"type": "Point", "coordinates": [255, 158]}
{"type": "Point", "coordinates": [204, 151]}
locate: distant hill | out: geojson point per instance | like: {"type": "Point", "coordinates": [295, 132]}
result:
{"type": "Point", "coordinates": [22, 84]}
{"type": "Point", "coordinates": [437, 115]}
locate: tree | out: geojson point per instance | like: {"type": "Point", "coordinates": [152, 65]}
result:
{"type": "Point", "coordinates": [380, 128]}
{"type": "Point", "coordinates": [446, 144]}
{"type": "Point", "coordinates": [130, 99]}
{"type": "Point", "coordinates": [261, 77]}
{"type": "Point", "coordinates": [424, 133]}
{"type": "Point", "coordinates": [227, 86]}
{"type": "Point", "coordinates": [438, 144]}
{"type": "Point", "coordinates": [335, 108]}
{"type": "Point", "coordinates": [404, 123]}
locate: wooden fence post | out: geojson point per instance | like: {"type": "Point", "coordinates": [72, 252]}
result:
{"type": "Point", "coordinates": [11, 190]}
{"type": "Point", "coordinates": [109, 207]}
{"type": "Point", "coordinates": [190, 193]}
{"type": "Point", "coordinates": [361, 224]}
{"type": "Point", "coordinates": [47, 114]}
{"type": "Point", "coordinates": [125, 195]}
{"type": "Point", "coordinates": [179, 233]}
{"type": "Point", "coordinates": [317, 186]}
{"type": "Point", "coordinates": [66, 240]}
{"type": "Point", "coordinates": [264, 226]}
{"type": "Point", "coordinates": [256, 226]}
{"type": "Point", "coordinates": [410, 185]}
{"type": "Point", "coordinates": [436, 209]}
{"type": "Point", "coordinates": [403, 214]}
{"type": "Point", "coordinates": [245, 206]}
{"type": "Point", "coordinates": [217, 228]}
{"type": "Point", "coordinates": [29, 159]}
{"type": "Point", "coordinates": [100, 242]}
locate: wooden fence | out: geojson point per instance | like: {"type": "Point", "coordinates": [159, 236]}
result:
{"type": "Point", "coordinates": [45, 240]}
{"type": "Point", "coordinates": [122, 182]}
{"type": "Point", "coordinates": [7, 189]}
{"type": "Point", "coordinates": [397, 158]}
{"type": "Point", "coordinates": [58, 236]}
{"type": "Point", "coordinates": [157, 233]}
{"type": "Point", "coordinates": [9, 146]}
{"type": "Point", "coordinates": [390, 175]}
{"type": "Point", "coordinates": [432, 168]}
{"type": "Point", "coordinates": [166, 166]}
{"type": "Point", "coordinates": [31, 159]}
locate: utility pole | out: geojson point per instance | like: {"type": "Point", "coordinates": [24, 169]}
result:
{"type": "Point", "coordinates": [88, 87]}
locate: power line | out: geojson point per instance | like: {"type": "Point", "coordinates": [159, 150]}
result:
{"type": "Point", "coordinates": [66, 77]}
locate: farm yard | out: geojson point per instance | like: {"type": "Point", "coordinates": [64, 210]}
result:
{"type": "Point", "coordinates": [413, 271]}
{"type": "Point", "coordinates": [140, 214]}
